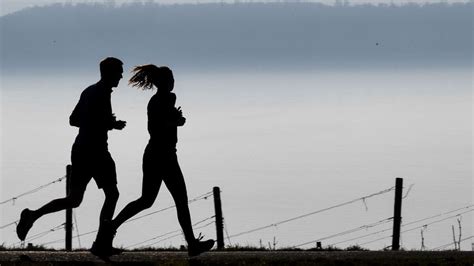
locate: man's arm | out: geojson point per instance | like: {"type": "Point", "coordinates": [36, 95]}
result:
{"type": "Point", "coordinates": [112, 122]}
{"type": "Point", "coordinates": [75, 118]}
{"type": "Point", "coordinates": [118, 124]}
{"type": "Point", "coordinates": [180, 119]}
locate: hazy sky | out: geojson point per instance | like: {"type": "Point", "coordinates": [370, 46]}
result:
{"type": "Point", "coordinates": [9, 6]}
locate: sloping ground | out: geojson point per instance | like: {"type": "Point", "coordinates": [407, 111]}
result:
{"type": "Point", "coordinates": [242, 258]}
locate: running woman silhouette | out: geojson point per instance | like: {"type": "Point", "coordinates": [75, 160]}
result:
{"type": "Point", "coordinates": [160, 162]}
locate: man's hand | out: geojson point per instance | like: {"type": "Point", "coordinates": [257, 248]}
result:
{"type": "Point", "coordinates": [181, 121]}
{"type": "Point", "coordinates": [180, 112]}
{"type": "Point", "coordinates": [119, 124]}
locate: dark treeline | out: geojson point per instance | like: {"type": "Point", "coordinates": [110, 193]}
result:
{"type": "Point", "coordinates": [255, 35]}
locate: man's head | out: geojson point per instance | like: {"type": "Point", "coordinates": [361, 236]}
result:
{"type": "Point", "coordinates": [111, 71]}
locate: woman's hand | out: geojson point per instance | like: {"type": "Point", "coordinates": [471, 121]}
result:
{"type": "Point", "coordinates": [119, 124]}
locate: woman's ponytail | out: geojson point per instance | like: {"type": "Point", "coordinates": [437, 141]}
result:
{"type": "Point", "coordinates": [143, 76]}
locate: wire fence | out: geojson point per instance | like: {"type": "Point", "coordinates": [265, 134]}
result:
{"type": "Point", "coordinates": [174, 233]}
{"type": "Point", "coordinates": [364, 198]}
{"type": "Point", "coordinates": [469, 207]}
{"type": "Point", "coordinates": [204, 196]}
{"type": "Point", "coordinates": [415, 228]}
{"type": "Point", "coordinates": [212, 220]}
{"type": "Point", "coordinates": [449, 244]}
{"type": "Point", "coordinates": [42, 234]}
{"type": "Point", "coordinates": [13, 199]}
{"type": "Point", "coordinates": [350, 231]}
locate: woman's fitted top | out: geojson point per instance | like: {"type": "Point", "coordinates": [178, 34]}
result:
{"type": "Point", "coordinates": [163, 121]}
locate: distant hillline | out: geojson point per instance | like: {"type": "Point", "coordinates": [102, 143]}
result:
{"type": "Point", "coordinates": [337, 3]}
{"type": "Point", "coordinates": [284, 35]}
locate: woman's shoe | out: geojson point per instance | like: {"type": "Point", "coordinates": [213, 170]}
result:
{"type": "Point", "coordinates": [199, 247]}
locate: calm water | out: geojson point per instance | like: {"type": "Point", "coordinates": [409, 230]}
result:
{"type": "Point", "coordinates": [278, 145]}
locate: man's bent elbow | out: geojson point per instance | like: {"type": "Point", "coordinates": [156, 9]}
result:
{"type": "Point", "coordinates": [73, 122]}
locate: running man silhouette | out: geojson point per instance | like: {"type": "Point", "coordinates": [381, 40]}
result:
{"type": "Point", "coordinates": [160, 163]}
{"type": "Point", "coordinates": [90, 157]}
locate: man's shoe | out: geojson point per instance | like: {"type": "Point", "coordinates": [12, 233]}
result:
{"type": "Point", "coordinates": [103, 252]}
{"type": "Point", "coordinates": [102, 246]}
{"type": "Point", "coordinates": [95, 250]}
{"type": "Point", "coordinates": [106, 233]}
{"type": "Point", "coordinates": [199, 247]}
{"type": "Point", "coordinates": [115, 251]}
{"type": "Point", "coordinates": [105, 236]}
{"type": "Point", "coordinates": [25, 224]}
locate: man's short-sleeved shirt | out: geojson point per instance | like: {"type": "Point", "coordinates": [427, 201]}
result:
{"type": "Point", "coordinates": [93, 115]}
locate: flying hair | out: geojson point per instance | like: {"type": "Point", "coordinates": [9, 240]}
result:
{"type": "Point", "coordinates": [143, 76]}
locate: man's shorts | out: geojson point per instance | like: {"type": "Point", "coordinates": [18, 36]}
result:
{"type": "Point", "coordinates": [91, 163]}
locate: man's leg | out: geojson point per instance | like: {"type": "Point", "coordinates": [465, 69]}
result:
{"type": "Point", "coordinates": [106, 179]}
{"type": "Point", "coordinates": [102, 246]}
{"type": "Point", "coordinates": [111, 198]}
{"type": "Point", "coordinates": [79, 180]}
{"type": "Point", "coordinates": [72, 200]}
{"type": "Point", "coordinates": [105, 176]}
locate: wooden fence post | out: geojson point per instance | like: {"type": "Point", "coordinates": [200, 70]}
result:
{"type": "Point", "coordinates": [68, 225]}
{"type": "Point", "coordinates": [397, 214]}
{"type": "Point", "coordinates": [219, 219]}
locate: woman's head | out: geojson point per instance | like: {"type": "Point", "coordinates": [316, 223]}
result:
{"type": "Point", "coordinates": [146, 76]}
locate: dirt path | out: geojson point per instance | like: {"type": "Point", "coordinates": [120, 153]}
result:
{"type": "Point", "coordinates": [241, 258]}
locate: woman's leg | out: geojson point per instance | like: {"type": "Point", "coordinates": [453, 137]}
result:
{"type": "Point", "coordinates": [174, 180]}
{"type": "Point", "coordinates": [150, 187]}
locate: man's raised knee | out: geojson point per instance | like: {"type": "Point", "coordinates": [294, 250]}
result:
{"type": "Point", "coordinates": [146, 202]}
{"type": "Point", "coordinates": [75, 201]}
{"type": "Point", "coordinates": [112, 193]}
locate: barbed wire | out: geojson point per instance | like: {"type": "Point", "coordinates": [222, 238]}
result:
{"type": "Point", "coordinates": [208, 194]}
{"type": "Point", "coordinates": [156, 237]}
{"type": "Point", "coordinates": [9, 224]}
{"type": "Point", "coordinates": [314, 212]}
{"type": "Point", "coordinates": [446, 245]}
{"type": "Point", "coordinates": [94, 231]}
{"type": "Point", "coordinates": [173, 236]}
{"type": "Point", "coordinates": [226, 232]}
{"type": "Point", "coordinates": [225, 225]}
{"type": "Point", "coordinates": [374, 233]}
{"type": "Point", "coordinates": [200, 197]}
{"type": "Point", "coordinates": [407, 224]}
{"type": "Point", "coordinates": [165, 234]}
{"type": "Point", "coordinates": [42, 234]}
{"type": "Point", "coordinates": [203, 196]}
{"type": "Point", "coordinates": [408, 191]}
{"type": "Point", "coordinates": [415, 228]}
{"type": "Point", "coordinates": [76, 225]}
{"type": "Point", "coordinates": [438, 215]}
{"type": "Point", "coordinates": [367, 226]}
{"type": "Point", "coordinates": [62, 239]}
{"type": "Point", "coordinates": [13, 199]}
